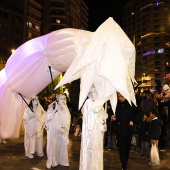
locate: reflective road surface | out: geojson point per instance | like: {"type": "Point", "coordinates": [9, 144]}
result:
{"type": "Point", "coordinates": [12, 158]}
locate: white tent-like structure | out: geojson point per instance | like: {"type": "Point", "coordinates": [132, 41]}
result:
{"type": "Point", "coordinates": [105, 58]}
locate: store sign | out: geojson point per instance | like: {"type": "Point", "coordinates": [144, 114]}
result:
{"type": "Point", "coordinates": [150, 52]}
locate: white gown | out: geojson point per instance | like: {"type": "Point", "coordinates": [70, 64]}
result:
{"type": "Point", "coordinates": [34, 125]}
{"type": "Point", "coordinates": [91, 154]}
{"type": "Point", "coordinates": [57, 137]}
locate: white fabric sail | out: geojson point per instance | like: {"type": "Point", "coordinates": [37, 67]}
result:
{"type": "Point", "coordinates": [108, 62]}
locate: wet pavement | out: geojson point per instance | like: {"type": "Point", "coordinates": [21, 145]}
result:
{"type": "Point", "coordinates": [12, 158]}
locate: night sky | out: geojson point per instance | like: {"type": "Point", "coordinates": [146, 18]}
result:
{"type": "Point", "coordinates": [100, 10]}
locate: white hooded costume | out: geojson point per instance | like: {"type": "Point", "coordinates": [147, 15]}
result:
{"type": "Point", "coordinates": [2, 141]}
{"type": "Point", "coordinates": [94, 126]}
{"type": "Point", "coordinates": [34, 125]}
{"type": "Point", "coordinates": [57, 124]}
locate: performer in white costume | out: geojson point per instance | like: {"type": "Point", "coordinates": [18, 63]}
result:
{"type": "Point", "coordinates": [2, 141]}
{"type": "Point", "coordinates": [34, 117]}
{"type": "Point", "coordinates": [57, 124]}
{"type": "Point", "coordinates": [94, 126]}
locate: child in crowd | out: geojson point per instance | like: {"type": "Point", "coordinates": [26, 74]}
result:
{"type": "Point", "coordinates": [78, 128]}
{"type": "Point", "coordinates": [73, 124]}
{"type": "Point", "coordinates": [144, 137]}
{"type": "Point", "coordinates": [154, 134]}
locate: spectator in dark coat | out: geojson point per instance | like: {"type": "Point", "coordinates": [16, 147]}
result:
{"type": "Point", "coordinates": [125, 117]}
{"type": "Point", "coordinates": [148, 103]}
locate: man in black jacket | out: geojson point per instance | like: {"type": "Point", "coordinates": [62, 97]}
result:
{"type": "Point", "coordinates": [125, 117]}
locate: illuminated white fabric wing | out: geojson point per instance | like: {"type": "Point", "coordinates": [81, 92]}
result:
{"type": "Point", "coordinates": [110, 59]}
{"type": "Point", "coordinates": [27, 72]}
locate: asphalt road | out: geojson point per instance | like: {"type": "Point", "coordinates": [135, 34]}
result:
{"type": "Point", "coordinates": [12, 158]}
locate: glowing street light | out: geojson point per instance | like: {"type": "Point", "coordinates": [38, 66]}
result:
{"type": "Point", "coordinates": [12, 50]}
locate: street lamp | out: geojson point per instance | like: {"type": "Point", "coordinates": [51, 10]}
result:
{"type": "Point", "coordinates": [12, 50]}
{"type": "Point", "coordinates": [144, 78]}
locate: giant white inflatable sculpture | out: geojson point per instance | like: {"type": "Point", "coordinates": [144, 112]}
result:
{"type": "Point", "coordinates": [105, 58]}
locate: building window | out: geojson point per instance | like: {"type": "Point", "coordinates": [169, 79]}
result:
{"type": "Point", "coordinates": [17, 31]}
{"type": "Point", "coordinates": [37, 28]}
{"type": "Point", "coordinates": [58, 21]}
{"type": "Point", "coordinates": [29, 35]}
{"type": "Point", "coordinates": [3, 38]}
{"type": "Point", "coordinates": [29, 24]}
{"type": "Point", "coordinates": [2, 60]}
{"type": "Point", "coordinates": [161, 50]}
{"type": "Point", "coordinates": [17, 19]}
{"type": "Point", "coordinates": [157, 75]}
{"type": "Point", "coordinates": [17, 41]}
{"type": "Point", "coordinates": [157, 68]}
{"type": "Point", "coordinates": [167, 63]}
{"type": "Point", "coordinates": [4, 14]}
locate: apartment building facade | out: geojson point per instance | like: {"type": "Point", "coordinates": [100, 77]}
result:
{"type": "Point", "coordinates": [147, 24]}
{"type": "Point", "coordinates": [23, 20]}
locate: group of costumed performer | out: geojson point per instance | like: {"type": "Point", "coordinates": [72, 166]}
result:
{"type": "Point", "coordinates": [57, 122]}
{"type": "Point", "coordinates": [110, 70]}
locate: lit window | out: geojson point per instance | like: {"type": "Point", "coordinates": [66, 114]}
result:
{"type": "Point", "coordinates": [58, 21]}
{"type": "Point", "coordinates": [1, 61]}
{"type": "Point", "coordinates": [37, 28]}
{"type": "Point", "coordinates": [161, 50]}
{"type": "Point", "coordinates": [168, 44]}
{"type": "Point", "coordinates": [29, 35]}
{"type": "Point", "coordinates": [139, 43]}
{"type": "Point", "coordinates": [29, 24]}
